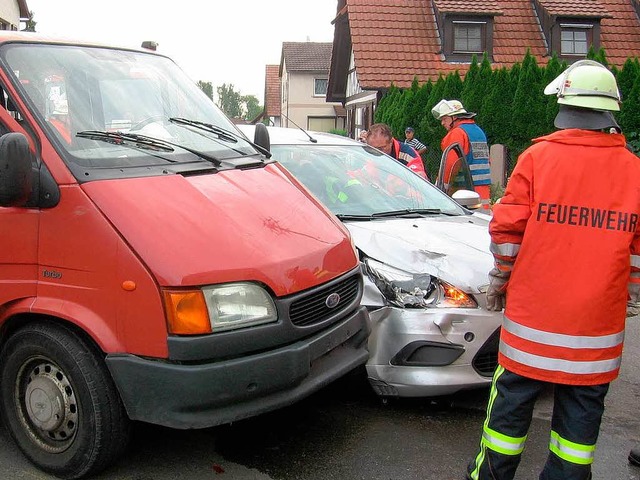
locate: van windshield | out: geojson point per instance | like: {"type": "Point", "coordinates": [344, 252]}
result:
{"type": "Point", "coordinates": [79, 89]}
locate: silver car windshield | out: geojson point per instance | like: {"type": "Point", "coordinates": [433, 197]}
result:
{"type": "Point", "coordinates": [357, 180]}
{"type": "Point", "coordinates": [106, 91]}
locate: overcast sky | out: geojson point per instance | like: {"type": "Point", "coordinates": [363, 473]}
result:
{"type": "Point", "coordinates": [212, 40]}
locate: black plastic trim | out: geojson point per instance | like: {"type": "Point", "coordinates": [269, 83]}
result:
{"type": "Point", "coordinates": [423, 353]}
{"type": "Point", "coordinates": [206, 395]}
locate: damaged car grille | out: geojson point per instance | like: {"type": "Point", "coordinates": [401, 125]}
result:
{"type": "Point", "coordinates": [486, 360]}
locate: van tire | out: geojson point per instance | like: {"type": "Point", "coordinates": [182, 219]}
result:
{"type": "Point", "coordinates": [59, 403]}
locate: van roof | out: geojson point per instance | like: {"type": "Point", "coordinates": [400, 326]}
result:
{"type": "Point", "coordinates": [8, 36]}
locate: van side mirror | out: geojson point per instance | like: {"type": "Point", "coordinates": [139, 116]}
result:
{"type": "Point", "coordinates": [261, 137]}
{"type": "Point", "coordinates": [15, 170]}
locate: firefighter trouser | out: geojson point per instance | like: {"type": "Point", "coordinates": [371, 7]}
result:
{"type": "Point", "coordinates": [577, 411]}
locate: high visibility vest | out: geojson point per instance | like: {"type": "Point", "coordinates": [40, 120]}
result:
{"type": "Point", "coordinates": [478, 155]}
{"type": "Point", "coordinates": [339, 193]}
{"type": "Point", "coordinates": [569, 236]}
{"type": "Point", "coordinates": [406, 155]}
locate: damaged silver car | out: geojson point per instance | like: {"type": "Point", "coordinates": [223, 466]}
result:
{"type": "Point", "coordinates": [425, 260]}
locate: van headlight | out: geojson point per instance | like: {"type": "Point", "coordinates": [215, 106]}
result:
{"type": "Point", "coordinates": [409, 290]}
{"type": "Point", "coordinates": [218, 308]}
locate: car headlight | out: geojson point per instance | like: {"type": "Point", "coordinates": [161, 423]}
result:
{"type": "Point", "coordinates": [408, 290]}
{"type": "Point", "coordinates": [218, 308]}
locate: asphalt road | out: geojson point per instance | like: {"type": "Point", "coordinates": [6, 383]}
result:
{"type": "Point", "coordinates": [345, 432]}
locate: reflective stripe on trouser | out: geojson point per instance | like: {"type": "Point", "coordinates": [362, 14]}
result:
{"type": "Point", "coordinates": [575, 425]}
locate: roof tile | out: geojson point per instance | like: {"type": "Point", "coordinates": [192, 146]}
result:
{"type": "Point", "coordinates": [577, 8]}
{"type": "Point", "coordinates": [307, 56]}
{"type": "Point", "coordinates": [384, 33]}
{"type": "Point", "coordinates": [272, 91]}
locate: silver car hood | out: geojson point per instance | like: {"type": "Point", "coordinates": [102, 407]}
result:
{"type": "Point", "coordinates": [454, 249]}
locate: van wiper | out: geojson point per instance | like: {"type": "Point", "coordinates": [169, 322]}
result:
{"type": "Point", "coordinates": [223, 134]}
{"type": "Point", "coordinates": [142, 141]}
{"type": "Point", "coordinates": [118, 138]}
{"type": "Point", "coordinates": [409, 212]}
{"type": "Point", "coordinates": [220, 132]}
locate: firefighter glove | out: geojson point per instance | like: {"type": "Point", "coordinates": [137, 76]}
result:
{"type": "Point", "coordinates": [496, 293]}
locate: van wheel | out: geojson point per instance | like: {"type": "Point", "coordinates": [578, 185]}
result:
{"type": "Point", "coordinates": [59, 402]}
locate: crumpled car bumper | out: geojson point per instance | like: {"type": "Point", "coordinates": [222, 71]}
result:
{"type": "Point", "coordinates": [431, 352]}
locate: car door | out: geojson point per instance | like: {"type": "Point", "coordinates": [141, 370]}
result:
{"type": "Point", "coordinates": [461, 178]}
{"type": "Point", "coordinates": [19, 226]}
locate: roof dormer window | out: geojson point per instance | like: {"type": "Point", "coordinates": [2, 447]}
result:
{"type": "Point", "coordinates": [575, 39]}
{"type": "Point", "coordinates": [465, 37]}
{"type": "Point", "coordinates": [469, 37]}
{"type": "Point", "coordinates": [570, 29]}
{"type": "Point", "coordinates": [466, 28]}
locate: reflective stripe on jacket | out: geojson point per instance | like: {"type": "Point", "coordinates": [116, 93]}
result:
{"type": "Point", "coordinates": [567, 231]}
{"type": "Point", "coordinates": [406, 155]}
{"type": "Point", "coordinates": [478, 154]}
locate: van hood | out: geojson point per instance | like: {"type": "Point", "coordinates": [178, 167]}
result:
{"type": "Point", "coordinates": [454, 249]}
{"type": "Point", "coordinates": [237, 225]}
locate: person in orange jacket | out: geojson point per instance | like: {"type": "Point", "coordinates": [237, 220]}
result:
{"type": "Point", "coordinates": [463, 130]}
{"type": "Point", "coordinates": [566, 243]}
{"type": "Point", "coordinates": [379, 136]}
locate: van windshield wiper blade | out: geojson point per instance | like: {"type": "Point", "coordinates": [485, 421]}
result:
{"type": "Point", "coordinates": [223, 134]}
{"type": "Point", "coordinates": [220, 132]}
{"type": "Point", "coordinates": [118, 138]}
{"type": "Point", "coordinates": [144, 142]}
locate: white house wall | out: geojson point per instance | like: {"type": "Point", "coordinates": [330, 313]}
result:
{"type": "Point", "coordinates": [299, 102]}
{"type": "Point", "coordinates": [9, 15]}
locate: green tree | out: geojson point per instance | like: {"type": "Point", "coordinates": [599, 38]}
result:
{"type": "Point", "coordinates": [30, 24]}
{"type": "Point", "coordinates": [496, 108]}
{"type": "Point", "coordinates": [392, 97]}
{"type": "Point", "coordinates": [452, 86]}
{"type": "Point", "coordinates": [207, 88]}
{"type": "Point", "coordinates": [529, 112]}
{"type": "Point", "coordinates": [230, 100]}
{"type": "Point", "coordinates": [419, 110]}
{"type": "Point", "coordinates": [599, 55]}
{"type": "Point", "coordinates": [479, 86]}
{"type": "Point", "coordinates": [252, 107]}
{"type": "Point", "coordinates": [553, 68]}
{"type": "Point", "coordinates": [470, 82]}
{"type": "Point", "coordinates": [626, 77]}
{"type": "Point", "coordinates": [629, 116]}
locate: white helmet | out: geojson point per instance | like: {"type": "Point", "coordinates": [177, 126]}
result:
{"type": "Point", "coordinates": [449, 108]}
{"type": "Point", "coordinates": [586, 84]}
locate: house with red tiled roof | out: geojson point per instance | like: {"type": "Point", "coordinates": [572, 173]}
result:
{"type": "Point", "coordinates": [304, 74]}
{"type": "Point", "coordinates": [378, 43]}
{"type": "Point", "coordinates": [271, 111]}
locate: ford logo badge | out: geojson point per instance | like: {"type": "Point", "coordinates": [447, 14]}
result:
{"type": "Point", "coordinates": [332, 300]}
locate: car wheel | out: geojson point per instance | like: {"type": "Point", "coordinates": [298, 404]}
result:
{"type": "Point", "coordinates": [59, 402]}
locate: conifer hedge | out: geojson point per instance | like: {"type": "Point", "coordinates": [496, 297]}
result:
{"type": "Point", "coordinates": [509, 102]}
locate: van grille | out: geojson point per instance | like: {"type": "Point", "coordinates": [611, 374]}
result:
{"type": "Point", "coordinates": [486, 360]}
{"type": "Point", "coordinates": [312, 309]}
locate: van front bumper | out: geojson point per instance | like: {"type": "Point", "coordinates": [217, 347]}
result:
{"type": "Point", "coordinates": [207, 394]}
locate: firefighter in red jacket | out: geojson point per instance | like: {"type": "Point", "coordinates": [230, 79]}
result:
{"type": "Point", "coordinates": [462, 129]}
{"type": "Point", "coordinates": [566, 243]}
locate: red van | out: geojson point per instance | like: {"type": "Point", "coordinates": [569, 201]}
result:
{"type": "Point", "coordinates": [154, 264]}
